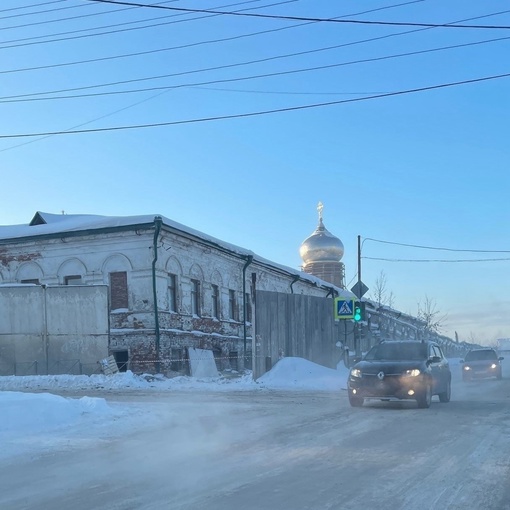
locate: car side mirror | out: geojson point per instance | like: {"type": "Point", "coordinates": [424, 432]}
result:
{"type": "Point", "coordinates": [501, 358]}
{"type": "Point", "coordinates": [461, 361]}
{"type": "Point", "coordinates": [434, 359]}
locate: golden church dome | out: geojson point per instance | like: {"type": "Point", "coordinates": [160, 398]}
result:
{"type": "Point", "coordinates": [322, 245]}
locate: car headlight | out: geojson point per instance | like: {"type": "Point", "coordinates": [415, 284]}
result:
{"type": "Point", "coordinates": [415, 372]}
{"type": "Point", "coordinates": [493, 366]}
{"type": "Point", "coordinates": [355, 372]}
{"type": "Point", "coordinates": [466, 367]}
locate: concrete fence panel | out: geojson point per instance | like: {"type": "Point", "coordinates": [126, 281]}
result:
{"type": "Point", "coordinates": [52, 330]}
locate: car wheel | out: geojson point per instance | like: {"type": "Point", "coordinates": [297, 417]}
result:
{"type": "Point", "coordinates": [355, 401]}
{"type": "Point", "coordinates": [445, 396]}
{"type": "Point", "coordinates": [425, 398]}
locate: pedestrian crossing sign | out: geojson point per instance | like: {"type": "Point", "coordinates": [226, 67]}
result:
{"type": "Point", "coordinates": [344, 308]}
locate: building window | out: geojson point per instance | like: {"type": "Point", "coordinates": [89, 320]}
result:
{"type": "Point", "coordinates": [122, 360]}
{"type": "Point", "coordinates": [195, 297]}
{"type": "Point", "coordinates": [74, 279]}
{"type": "Point", "coordinates": [118, 290]}
{"type": "Point", "coordinates": [177, 360]}
{"type": "Point", "coordinates": [233, 360]}
{"type": "Point", "coordinates": [33, 280]}
{"type": "Point", "coordinates": [215, 295]}
{"type": "Point", "coordinates": [248, 307]}
{"type": "Point", "coordinates": [172, 292]}
{"type": "Point", "coordinates": [232, 305]}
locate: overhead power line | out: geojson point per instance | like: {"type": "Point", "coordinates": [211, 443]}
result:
{"type": "Point", "coordinates": [29, 41]}
{"type": "Point", "coordinates": [436, 260]}
{"type": "Point", "coordinates": [137, 7]}
{"type": "Point", "coordinates": [259, 113]}
{"type": "Point", "coordinates": [33, 140]}
{"type": "Point", "coordinates": [213, 41]}
{"type": "Point", "coordinates": [30, 96]}
{"type": "Point", "coordinates": [225, 39]}
{"type": "Point", "coordinates": [94, 14]}
{"type": "Point", "coordinates": [58, 20]}
{"type": "Point", "coordinates": [435, 247]}
{"type": "Point", "coordinates": [304, 18]}
{"type": "Point", "coordinates": [3, 18]}
{"type": "Point", "coordinates": [32, 5]}
{"type": "Point", "coordinates": [38, 39]}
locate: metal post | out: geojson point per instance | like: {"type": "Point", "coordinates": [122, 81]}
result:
{"type": "Point", "coordinates": [249, 260]}
{"type": "Point", "coordinates": [158, 221]}
{"type": "Point", "coordinates": [45, 329]}
{"type": "Point", "coordinates": [357, 334]}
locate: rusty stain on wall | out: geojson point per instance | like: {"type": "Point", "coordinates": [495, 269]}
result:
{"type": "Point", "coordinates": [7, 256]}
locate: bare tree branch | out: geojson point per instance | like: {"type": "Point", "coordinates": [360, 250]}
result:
{"type": "Point", "coordinates": [431, 316]}
{"type": "Point", "coordinates": [379, 292]}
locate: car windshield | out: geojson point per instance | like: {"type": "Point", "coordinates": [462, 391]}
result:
{"type": "Point", "coordinates": [487, 355]}
{"type": "Point", "coordinates": [398, 351]}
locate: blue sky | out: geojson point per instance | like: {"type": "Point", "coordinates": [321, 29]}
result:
{"type": "Point", "coordinates": [428, 168]}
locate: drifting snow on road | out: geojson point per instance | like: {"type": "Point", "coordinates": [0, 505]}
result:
{"type": "Point", "coordinates": [289, 442]}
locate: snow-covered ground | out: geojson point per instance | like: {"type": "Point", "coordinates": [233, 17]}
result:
{"type": "Point", "coordinates": [287, 441]}
{"type": "Point", "coordinates": [33, 417]}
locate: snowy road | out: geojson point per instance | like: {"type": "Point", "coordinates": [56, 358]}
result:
{"type": "Point", "coordinates": [279, 450]}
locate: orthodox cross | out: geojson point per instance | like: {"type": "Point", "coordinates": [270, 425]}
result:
{"type": "Point", "coordinates": [320, 207]}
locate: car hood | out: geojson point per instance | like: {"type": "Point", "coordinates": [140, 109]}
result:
{"type": "Point", "coordinates": [388, 366]}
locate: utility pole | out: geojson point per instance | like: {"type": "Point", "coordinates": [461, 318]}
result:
{"type": "Point", "coordinates": [357, 335]}
{"type": "Point", "coordinates": [359, 290]}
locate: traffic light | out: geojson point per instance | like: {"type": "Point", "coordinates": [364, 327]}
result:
{"type": "Point", "coordinates": [359, 311]}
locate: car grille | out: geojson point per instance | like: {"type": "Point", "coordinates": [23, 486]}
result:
{"type": "Point", "coordinates": [390, 385]}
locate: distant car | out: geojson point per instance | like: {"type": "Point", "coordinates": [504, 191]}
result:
{"type": "Point", "coordinates": [401, 370]}
{"type": "Point", "coordinates": [481, 363]}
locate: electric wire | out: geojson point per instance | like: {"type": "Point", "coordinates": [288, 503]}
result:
{"type": "Point", "coordinates": [30, 96]}
{"type": "Point", "coordinates": [2, 18]}
{"type": "Point", "coordinates": [386, 7]}
{"type": "Point", "coordinates": [73, 18]}
{"type": "Point", "coordinates": [434, 247]}
{"type": "Point", "coordinates": [8, 45]}
{"type": "Point", "coordinates": [128, 55]}
{"type": "Point", "coordinates": [6, 99]}
{"type": "Point", "coordinates": [213, 41]}
{"type": "Point", "coordinates": [259, 113]}
{"type": "Point", "coordinates": [304, 18]}
{"type": "Point", "coordinates": [288, 93]}
{"type": "Point", "coordinates": [109, 114]}
{"type": "Point", "coordinates": [37, 39]}
{"type": "Point", "coordinates": [238, 37]}
{"type": "Point", "coordinates": [436, 260]}
{"type": "Point", "coordinates": [136, 7]}
{"type": "Point", "coordinates": [30, 6]}
{"type": "Point", "coordinates": [362, 12]}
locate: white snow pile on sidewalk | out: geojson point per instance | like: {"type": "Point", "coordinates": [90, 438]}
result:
{"type": "Point", "coordinates": [289, 373]}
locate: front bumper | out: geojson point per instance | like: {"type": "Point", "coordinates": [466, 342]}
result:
{"type": "Point", "coordinates": [480, 372]}
{"type": "Point", "coordinates": [391, 387]}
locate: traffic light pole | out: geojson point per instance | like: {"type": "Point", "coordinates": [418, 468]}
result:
{"type": "Point", "coordinates": [359, 260]}
{"type": "Point", "coordinates": [357, 335]}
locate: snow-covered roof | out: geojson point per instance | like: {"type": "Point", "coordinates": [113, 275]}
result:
{"type": "Point", "coordinates": [48, 225]}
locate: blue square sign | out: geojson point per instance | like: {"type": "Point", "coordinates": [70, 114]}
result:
{"type": "Point", "coordinates": [344, 308]}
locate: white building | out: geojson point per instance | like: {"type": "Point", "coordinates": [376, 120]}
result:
{"type": "Point", "coordinates": [204, 288]}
